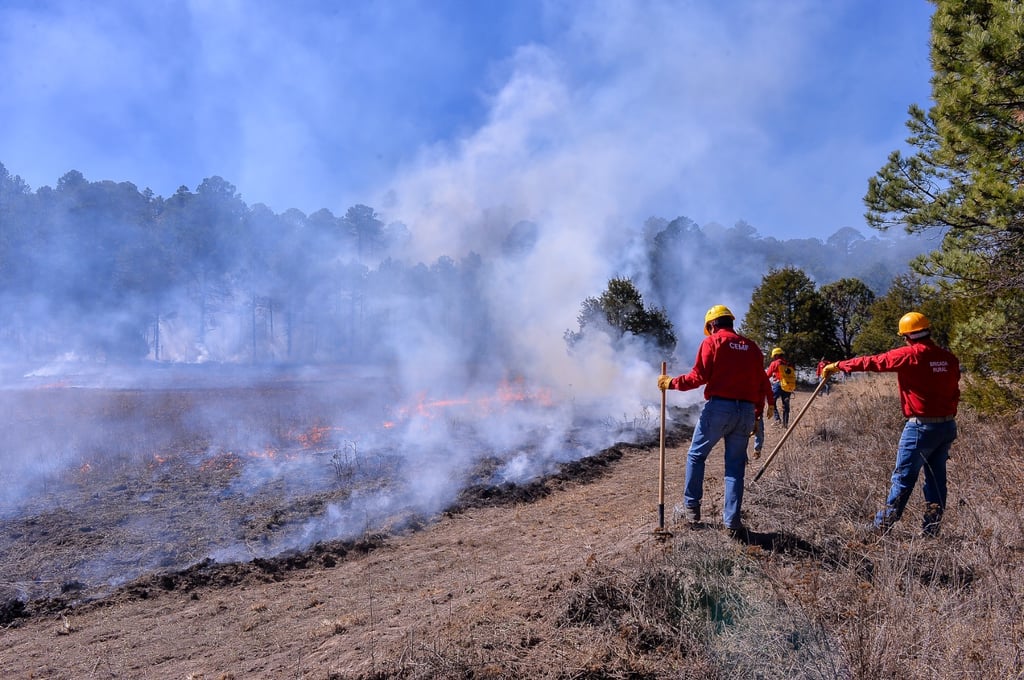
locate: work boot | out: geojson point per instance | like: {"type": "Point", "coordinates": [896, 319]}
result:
{"type": "Point", "coordinates": [737, 532]}
{"type": "Point", "coordinates": [757, 452]}
{"type": "Point", "coordinates": [886, 518]}
{"type": "Point", "coordinates": [688, 515]}
{"type": "Point", "coordinates": [932, 520]}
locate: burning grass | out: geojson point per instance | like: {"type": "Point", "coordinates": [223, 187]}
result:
{"type": "Point", "coordinates": [551, 579]}
{"type": "Point", "coordinates": [115, 485]}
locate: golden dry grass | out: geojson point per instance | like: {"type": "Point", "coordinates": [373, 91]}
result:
{"type": "Point", "coordinates": [813, 594]}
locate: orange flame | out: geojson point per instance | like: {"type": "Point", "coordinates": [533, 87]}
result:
{"type": "Point", "coordinates": [318, 435]}
{"type": "Point", "coordinates": [222, 462]}
{"type": "Point", "coordinates": [508, 392]}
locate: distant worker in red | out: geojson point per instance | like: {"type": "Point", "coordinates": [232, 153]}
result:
{"type": "Point", "coordinates": [928, 378]}
{"type": "Point", "coordinates": [736, 389]}
{"type": "Point", "coordinates": [782, 375]}
{"type": "Point", "coordinates": [821, 369]}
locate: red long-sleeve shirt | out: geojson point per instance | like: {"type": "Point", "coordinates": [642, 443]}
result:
{"type": "Point", "coordinates": [730, 367]}
{"type": "Point", "coordinates": [928, 377]}
{"type": "Point", "coordinates": [773, 369]}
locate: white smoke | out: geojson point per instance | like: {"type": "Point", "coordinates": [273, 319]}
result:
{"type": "Point", "coordinates": [628, 110]}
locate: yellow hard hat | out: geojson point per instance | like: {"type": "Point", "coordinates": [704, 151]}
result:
{"type": "Point", "coordinates": [716, 312]}
{"type": "Point", "coordinates": [914, 322]}
{"type": "Point", "coordinates": [776, 352]}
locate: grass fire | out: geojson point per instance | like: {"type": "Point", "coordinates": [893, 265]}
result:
{"type": "Point", "coordinates": [108, 485]}
{"type": "Point", "coordinates": [561, 579]}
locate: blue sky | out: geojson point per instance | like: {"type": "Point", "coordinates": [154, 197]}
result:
{"type": "Point", "coordinates": [450, 114]}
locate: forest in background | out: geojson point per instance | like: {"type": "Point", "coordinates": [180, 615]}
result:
{"type": "Point", "coordinates": [104, 271]}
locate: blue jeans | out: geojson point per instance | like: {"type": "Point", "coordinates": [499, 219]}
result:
{"type": "Point", "coordinates": [720, 419]}
{"type": "Point", "coordinates": [779, 393]}
{"type": "Point", "coordinates": [922, 446]}
{"type": "Point", "coordinates": [759, 434]}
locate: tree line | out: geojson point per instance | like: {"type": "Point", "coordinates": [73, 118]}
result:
{"type": "Point", "coordinates": [787, 309]}
{"type": "Point", "coordinates": [103, 270]}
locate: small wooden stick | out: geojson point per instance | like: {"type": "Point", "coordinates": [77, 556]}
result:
{"type": "Point", "coordinates": [661, 472]}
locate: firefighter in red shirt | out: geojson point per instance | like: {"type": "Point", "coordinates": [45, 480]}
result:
{"type": "Point", "coordinates": [736, 389]}
{"type": "Point", "coordinates": [821, 367]}
{"type": "Point", "coordinates": [782, 386]}
{"type": "Point", "coordinates": [928, 377]}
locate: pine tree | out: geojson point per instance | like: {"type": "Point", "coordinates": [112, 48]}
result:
{"type": "Point", "coordinates": [786, 311]}
{"type": "Point", "coordinates": [850, 300]}
{"type": "Point", "coordinates": [966, 178]}
{"type": "Point", "coordinates": [620, 311]}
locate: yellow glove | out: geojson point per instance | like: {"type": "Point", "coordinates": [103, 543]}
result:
{"type": "Point", "coordinates": [664, 382]}
{"type": "Point", "coordinates": [769, 412]}
{"type": "Point", "coordinates": [829, 370]}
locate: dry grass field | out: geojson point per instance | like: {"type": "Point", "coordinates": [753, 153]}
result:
{"type": "Point", "coordinates": [568, 579]}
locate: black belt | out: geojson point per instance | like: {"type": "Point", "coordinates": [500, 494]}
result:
{"type": "Point", "coordinates": [733, 401]}
{"type": "Point", "coordinates": [921, 420]}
